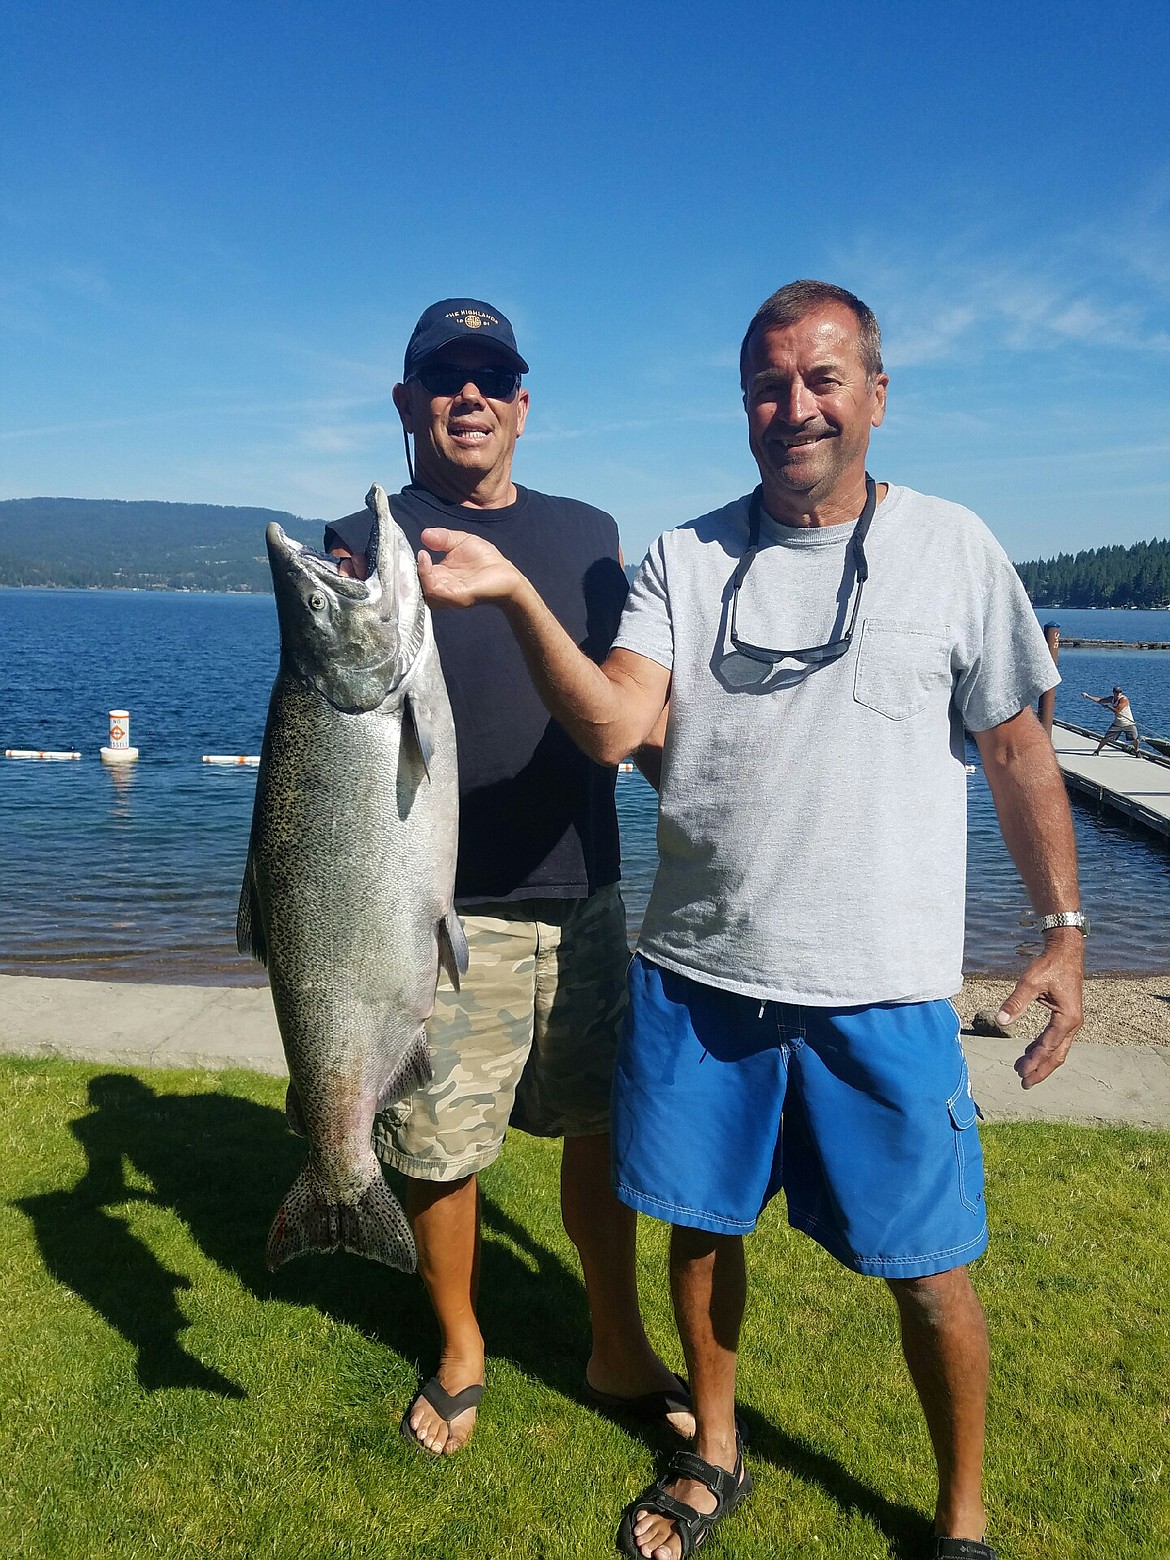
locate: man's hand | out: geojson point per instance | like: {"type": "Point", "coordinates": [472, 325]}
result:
{"type": "Point", "coordinates": [1055, 979]}
{"type": "Point", "coordinates": [471, 571]}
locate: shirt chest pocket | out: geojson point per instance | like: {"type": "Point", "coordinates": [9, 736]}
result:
{"type": "Point", "coordinates": [901, 668]}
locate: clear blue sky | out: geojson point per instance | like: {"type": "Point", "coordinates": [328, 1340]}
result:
{"type": "Point", "coordinates": [218, 223]}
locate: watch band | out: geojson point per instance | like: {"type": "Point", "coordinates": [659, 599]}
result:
{"type": "Point", "coordinates": [1077, 918]}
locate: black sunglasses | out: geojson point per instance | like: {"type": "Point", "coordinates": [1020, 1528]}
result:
{"type": "Point", "coordinates": [815, 655]}
{"type": "Point", "coordinates": [498, 384]}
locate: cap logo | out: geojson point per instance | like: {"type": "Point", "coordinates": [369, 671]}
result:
{"type": "Point", "coordinates": [472, 319]}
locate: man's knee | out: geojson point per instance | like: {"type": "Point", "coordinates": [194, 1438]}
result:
{"type": "Point", "coordinates": [935, 1297]}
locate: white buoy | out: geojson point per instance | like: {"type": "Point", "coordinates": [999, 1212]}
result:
{"type": "Point", "coordinates": [625, 767]}
{"type": "Point", "coordinates": [36, 753]}
{"type": "Point", "coordinates": [229, 759]}
{"type": "Point", "coordinates": [119, 750]}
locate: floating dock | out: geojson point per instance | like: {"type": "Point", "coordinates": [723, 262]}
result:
{"type": "Point", "coordinates": [1137, 787]}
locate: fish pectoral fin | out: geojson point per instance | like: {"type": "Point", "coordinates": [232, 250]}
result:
{"type": "Point", "coordinates": [374, 1227]}
{"type": "Point", "coordinates": [249, 926]}
{"type": "Point", "coordinates": [293, 1113]}
{"type": "Point", "coordinates": [417, 716]}
{"type": "Point", "coordinates": [413, 1072]}
{"type": "Point", "coordinates": [453, 954]}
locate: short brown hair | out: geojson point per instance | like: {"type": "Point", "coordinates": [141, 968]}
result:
{"type": "Point", "coordinates": [793, 302]}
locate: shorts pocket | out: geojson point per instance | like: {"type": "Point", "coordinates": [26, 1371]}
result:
{"type": "Point", "coordinates": [968, 1150]}
{"type": "Point", "coordinates": [900, 667]}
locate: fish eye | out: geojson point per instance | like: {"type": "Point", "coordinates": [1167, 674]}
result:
{"type": "Point", "coordinates": [317, 602]}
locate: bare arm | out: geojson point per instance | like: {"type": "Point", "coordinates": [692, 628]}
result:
{"type": "Point", "coordinates": [648, 757]}
{"type": "Point", "coordinates": [1032, 806]}
{"type": "Point", "coordinates": [608, 710]}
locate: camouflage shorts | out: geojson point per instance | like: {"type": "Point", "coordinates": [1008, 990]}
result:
{"type": "Point", "coordinates": [529, 1041]}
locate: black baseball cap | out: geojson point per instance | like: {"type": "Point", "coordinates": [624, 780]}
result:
{"type": "Point", "coordinates": [461, 319]}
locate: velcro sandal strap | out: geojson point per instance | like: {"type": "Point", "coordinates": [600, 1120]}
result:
{"type": "Point", "coordinates": [661, 1504]}
{"type": "Point", "coordinates": [722, 1482]}
{"type": "Point", "coordinates": [963, 1549]}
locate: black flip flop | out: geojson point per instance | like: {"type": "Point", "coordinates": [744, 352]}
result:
{"type": "Point", "coordinates": [448, 1405]}
{"type": "Point", "coordinates": [647, 1407]}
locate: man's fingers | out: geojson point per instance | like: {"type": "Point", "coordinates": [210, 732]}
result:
{"type": "Point", "coordinates": [1043, 1056]}
{"type": "Point", "coordinates": [1025, 993]}
{"type": "Point", "coordinates": [440, 538]}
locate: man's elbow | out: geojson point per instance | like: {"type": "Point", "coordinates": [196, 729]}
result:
{"type": "Point", "coordinates": [1020, 741]}
{"type": "Point", "coordinates": [609, 748]}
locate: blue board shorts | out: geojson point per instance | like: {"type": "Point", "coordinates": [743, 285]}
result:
{"type": "Point", "coordinates": [864, 1116]}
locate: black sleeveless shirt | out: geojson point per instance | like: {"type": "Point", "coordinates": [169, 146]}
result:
{"type": "Point", "coordinates": [536, 817]}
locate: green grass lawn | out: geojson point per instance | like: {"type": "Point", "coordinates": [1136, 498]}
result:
{"type": "Point", "coordinates": [162, 1394]}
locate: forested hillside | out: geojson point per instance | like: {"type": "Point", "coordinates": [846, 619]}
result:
{"type": "Point", "coordinates": [1137, 576]}
{"type": "Point", "coordinates": [81, 542]}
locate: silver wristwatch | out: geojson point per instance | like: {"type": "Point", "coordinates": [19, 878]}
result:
{"type": "Point", "coordinates": [1077, 918]}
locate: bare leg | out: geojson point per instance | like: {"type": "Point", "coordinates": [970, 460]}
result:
{"type": "Point", "coordinates": [445, 1219]}
{"type": "Point", "coordinates": [604, 1232]}
{"type": "Point", "coordinates": [944, 1339]}
{"type": "Point", "coordinates": [709, 1284]}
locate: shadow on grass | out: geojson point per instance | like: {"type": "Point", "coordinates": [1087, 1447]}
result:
{"type": "Point", "coordinates": [904, 1528]}
{"type": "Point", "coordinates": [222, 1164]}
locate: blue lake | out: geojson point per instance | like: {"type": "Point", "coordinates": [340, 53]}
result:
{"type": "Point", "coordinates": [133, 874]}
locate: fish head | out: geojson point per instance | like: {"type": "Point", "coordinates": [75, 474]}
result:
{"type": "Point", "coordinates": [351, 640]}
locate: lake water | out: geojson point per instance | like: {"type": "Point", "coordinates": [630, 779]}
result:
{"type": "Point", "coordinates": [133, 873]}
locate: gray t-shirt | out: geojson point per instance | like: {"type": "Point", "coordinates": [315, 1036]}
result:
{"type": "Point", "coordinates": [812, 826]}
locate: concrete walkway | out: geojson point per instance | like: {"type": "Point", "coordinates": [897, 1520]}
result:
{"type": "Point", "coordinates": [220, 1027]}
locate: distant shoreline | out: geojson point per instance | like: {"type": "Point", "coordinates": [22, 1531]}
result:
{"type": "Point", "coordinates": [148, 590]}
{"type": "Point", "coordinates": [1073, 643]}
{"type": "Point", "coordinates": [1069, 642]}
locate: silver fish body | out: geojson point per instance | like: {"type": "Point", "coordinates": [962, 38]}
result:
{"type": "Point", "coordinates": [348, 889]}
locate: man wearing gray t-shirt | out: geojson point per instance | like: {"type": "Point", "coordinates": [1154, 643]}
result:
{"type": "Point", "coordinates": [821, 646]}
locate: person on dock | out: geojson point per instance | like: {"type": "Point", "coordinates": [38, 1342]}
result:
{"type": "Point", "coordinates": [530, 1039]}
{"type": "Point", "coordinates": [1123, 724]}
{"type": "Point", "coordinates": [789, 1023]}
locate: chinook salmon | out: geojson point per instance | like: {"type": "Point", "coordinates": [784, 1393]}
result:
{"type": "Point", "coordinates": [347, 894]}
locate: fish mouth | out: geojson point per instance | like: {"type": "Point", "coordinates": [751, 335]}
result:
{"type": "Point", "coordinates": [326, 569]}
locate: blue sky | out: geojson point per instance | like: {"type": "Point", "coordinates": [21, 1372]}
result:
{"type": "Point", "coordinates": [218, 224]}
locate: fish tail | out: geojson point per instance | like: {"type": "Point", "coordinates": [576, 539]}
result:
{"type": "Point", "coordinates": [375, 1226]}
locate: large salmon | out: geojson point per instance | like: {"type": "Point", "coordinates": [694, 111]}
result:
{"type": "Point", "coordinates": [347, 895]}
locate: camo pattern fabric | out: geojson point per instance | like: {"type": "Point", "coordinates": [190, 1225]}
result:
{"type": "Point", "coordinates": [529, 1041]}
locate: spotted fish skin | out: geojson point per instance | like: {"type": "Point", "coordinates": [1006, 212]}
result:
{"type": "Point", "coordinates": [347, 893]}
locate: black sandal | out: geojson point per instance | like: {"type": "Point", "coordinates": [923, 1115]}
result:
{"type": "Point", "coordinates": [693, 1527]}
{"type": "Point", "coordinates": [962, 1549]}
{"type": "Point", "coordinates": [647, 1407]}
{"type": "Point", "coordinates": [448, 1405]}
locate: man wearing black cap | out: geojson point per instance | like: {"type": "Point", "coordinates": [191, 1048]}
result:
{"type": "Point", "coordinates": [1123, 725]}
{"type": "Point", "coordinates": [531, 1038]}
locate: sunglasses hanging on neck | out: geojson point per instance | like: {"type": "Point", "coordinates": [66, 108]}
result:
{"type": "Point", "coordinates": [813, 655]}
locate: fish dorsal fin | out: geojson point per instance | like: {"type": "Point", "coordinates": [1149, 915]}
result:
{"type": "Point", "coordinates": [249, 927]}
{"type": "Point", "coordinates": [453, 955]}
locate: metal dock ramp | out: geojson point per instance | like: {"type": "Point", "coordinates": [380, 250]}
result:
{"type": "Point", "coordinates": [1136, 787]}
